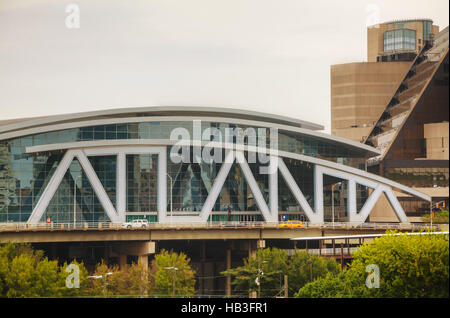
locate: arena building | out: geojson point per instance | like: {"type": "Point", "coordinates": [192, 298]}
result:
{"type": "Point", "coordinates": [185, 165]}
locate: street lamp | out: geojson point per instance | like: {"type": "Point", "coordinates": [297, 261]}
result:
{"type": "Point", "coordinates": [103, 277]}
{"type": "Point", "coordinates": [75, 199]}
{"type": "Point", "coordinates": [260, 273]}
{"type": "Point", "coordinates": [173, 278]}
{"type": "Point", "coordinates": [171, 201]}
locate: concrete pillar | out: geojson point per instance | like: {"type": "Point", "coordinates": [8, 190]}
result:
{"type": "Point", "coordinates": [228, 283]}
{"type": "Point", "coordinates": [122, 261]}
{"type": "Point", "coordinates": [142, 250]}
{"type": "Point", "coordinates": [143, 260]}
{"type": "Point", "coordinates": [251, 248]}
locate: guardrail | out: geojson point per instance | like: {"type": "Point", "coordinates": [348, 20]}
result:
{"type": "Point", "coordinates": [98, 226]}
{"type": "Point", "coordinates": [327, 251]}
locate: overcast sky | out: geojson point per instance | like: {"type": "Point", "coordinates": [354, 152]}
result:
{"type": "Point", "coordinates": [267, 55]}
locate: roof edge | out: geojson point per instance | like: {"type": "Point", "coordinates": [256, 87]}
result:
{"type": "Point", "coordinates": [158, 110]}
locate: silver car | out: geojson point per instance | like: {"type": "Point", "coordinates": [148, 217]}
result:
{"type": "Point", "coordinates": [135, 224]}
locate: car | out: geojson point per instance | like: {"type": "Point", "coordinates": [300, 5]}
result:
{"type": "Point", "coordinates": [292, 224]}
{"type": "Point", "coordinates": [136, 224]}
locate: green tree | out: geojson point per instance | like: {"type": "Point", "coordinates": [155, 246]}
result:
{"type": "Point", "coordinates": [105, 281]}
{"type": "Point", "coordinates": [172, 274]}
{"type": "Point", "coordinates": [304, 268]}
{"type": "Point", "coordinates": [26, 273]}
{"type": "Point", "coordinates": [274, 264]}
{"type": "Point", "coordinates": [331, 286]}
{"type": "Point", "coordinates": [409, 266]}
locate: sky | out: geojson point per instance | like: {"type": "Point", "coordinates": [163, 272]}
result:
{"type": "Point", "coordinates": [272, 56]}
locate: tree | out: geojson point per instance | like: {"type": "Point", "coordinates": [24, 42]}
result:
{"type": "Point", "coordinates": [331, 286]}
{"type": "Point", "coordinates": [107, 281]}
{"type": "Point", "coordinates": [409, 266]}
{"type": "Point", "coordinates": [304, 268]}
{"type": "Point", "coordinates": [26, 273]}
{"type": "Point", "coordinates": [172, 274]}
{"type": "Point", "coordinates": [274, 264]}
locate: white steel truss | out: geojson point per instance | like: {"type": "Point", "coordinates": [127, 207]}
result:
{"type": "Point", "coordinates": [58, 176]}
{"type": "Point", "coordinates": [269, 212]}
{"type": "Point", "coordinates": [352, 180]}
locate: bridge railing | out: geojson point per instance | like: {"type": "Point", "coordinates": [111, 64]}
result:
{"type": "Point", "coordinates": [85, 226]}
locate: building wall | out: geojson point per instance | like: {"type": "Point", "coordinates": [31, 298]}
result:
{"type": "Point", "coordinates": [432, 107]}
{"type": "Point", "coordinates": [436, 136]}
{"type": "Point", "coordinates": [359, 94]}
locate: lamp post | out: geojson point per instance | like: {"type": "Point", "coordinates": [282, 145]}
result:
{"type": "Point", "coordinates": [171, 201]}
{"type": "Point", "coordinates": [103, 277]}
{"type": "Point", "coordinates": [75, 199]}
{"type": "Point", "coordinates": [260, 273]}
{"type": "Point", "coordinates": [173, 278]}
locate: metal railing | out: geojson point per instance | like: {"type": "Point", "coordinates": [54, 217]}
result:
{"type": "Point", "coordinates": [98, 226]}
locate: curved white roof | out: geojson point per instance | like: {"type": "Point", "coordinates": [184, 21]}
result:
{"type": "Point", "coordinates": [22, 127]}
{"type": "Point", "coordinates": [14, 124]}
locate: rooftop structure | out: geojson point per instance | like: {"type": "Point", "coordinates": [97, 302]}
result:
{"type": "Point", "coordinates": [399, 39]}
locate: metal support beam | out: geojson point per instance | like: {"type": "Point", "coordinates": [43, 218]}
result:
{"type": "Point", "coordinates": [162, 186]}
{"type": "Point", "coordinates": [217, 186]}
{"type": "Point", "coordinates": [51, 188]}
{"type": "Point", "coordinates": [318, 192]}
{"type": "Point", "coordinates": [273, 186]}
{"type": "Point", "coordinates": [121, 189]}
{"type": "Point", "coordinates": [240, 158]}
{"type": "Point", "coordinates": [351, 200]}
{"type": "Point", "coordinates": [298, 195]}
{"type": "Point", "coordinates": [97, 186]}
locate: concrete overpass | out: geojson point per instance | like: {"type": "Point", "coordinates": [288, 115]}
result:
{"type": "Point", "coordinates": [212, 248]}
{"type": "Point", "coordinates": [161, 232]}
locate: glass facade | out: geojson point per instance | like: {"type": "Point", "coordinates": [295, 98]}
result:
{"type": "Point", "coordinates": [303, 174]}
{"type": "Point", "coordinates": [75, 189]}
{"type": "Point", "coordinates": [142, 182]}
{"type": "Point", "coordinates": [287, 141]}
{"type": "Point", "coordinates": [427, 30]}
{"type": "Point", "coordinates": [419, 177]}
{"type": "Point", "coordinates": [399, 40]}
{"type": "Point", "coordinates": [23, 176]}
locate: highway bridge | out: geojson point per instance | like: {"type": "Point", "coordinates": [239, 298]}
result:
{"type": "Point", "coordinates": [212, 247]}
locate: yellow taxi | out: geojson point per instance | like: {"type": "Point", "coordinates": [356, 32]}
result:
{"type": "Point", "coordinates": [291, 224]}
